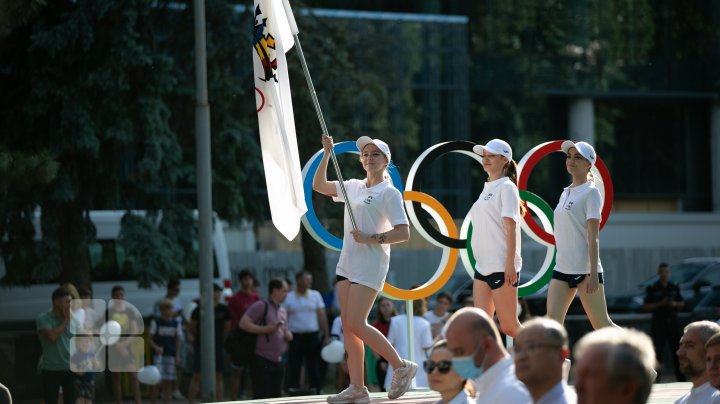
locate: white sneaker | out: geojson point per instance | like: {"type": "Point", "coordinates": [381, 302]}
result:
{"type": "Point", "coordinates": [402, 377]}
{"type": "Point", "coordinates": [351, 395]}
{"type": "Point", "coordinates": [178, 395]}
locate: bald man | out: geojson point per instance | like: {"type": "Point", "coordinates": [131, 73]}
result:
{"type": "Point", "coordinates": [541, 348]}
{"type": "Point", "coordinates": [478, 355]}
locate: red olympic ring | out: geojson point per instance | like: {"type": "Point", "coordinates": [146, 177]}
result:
{"type": "Point", "coordinates": [262, 99]}
{"type": "Point", "coordinates": [533, 157]}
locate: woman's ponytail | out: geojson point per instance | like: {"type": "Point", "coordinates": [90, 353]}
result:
{"type": "Point", "coordinates": [511, 171]}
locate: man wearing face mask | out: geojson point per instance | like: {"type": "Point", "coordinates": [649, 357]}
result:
{"type": "Point", "coordinates": [478, 355]}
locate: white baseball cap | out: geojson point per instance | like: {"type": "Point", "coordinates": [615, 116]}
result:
{"type": "Point", "coordinates": [365, 140]}
{"type": "Point", "coordinates": [583, 148]}
{"type": "Point", "coordinates": [495, 146]}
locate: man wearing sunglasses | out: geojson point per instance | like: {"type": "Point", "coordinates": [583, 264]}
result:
{"type": "Point", "coordinates": [540, 350]}
{"type": "Point", "coordinates": [479, 355]}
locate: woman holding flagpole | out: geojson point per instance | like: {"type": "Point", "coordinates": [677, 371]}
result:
{"type": "Point", "coordinates": [364, 261]}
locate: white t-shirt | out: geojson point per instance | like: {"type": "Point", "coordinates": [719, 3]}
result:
{"type": "Point", "coordinates": [376, 210]}
{"type": "Point", "coordinates": [577, 205]}
{"type": "Point", "coordinates": [398, 337]}
{"type": "Point", "coordinates": [79, 315]}
{"type": "Point", "coordinates": [434, 318]}
{"type": "Point", "coordinates": [560, 394]}
{"type": "Point", "coordinates": [499, 199]}
{"type": "Point", "coordinates": [704, 393]}
{"type": "Point", "coordinates": [302, 311]}
{"type": "Point", "coordinates": [436, 322]}
{"type": "Point", "coordinates": [461, 398]}
{"type": "Point", "coordinates": [500, 385]}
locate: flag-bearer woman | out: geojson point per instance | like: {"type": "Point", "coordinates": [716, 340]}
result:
{"type": "Point", "coordinates": [378, 210]}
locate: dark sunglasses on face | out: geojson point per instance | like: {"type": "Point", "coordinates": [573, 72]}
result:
{"type": "Point", "coordinates": [443, 366]}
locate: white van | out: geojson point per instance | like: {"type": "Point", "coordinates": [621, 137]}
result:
{"type": "Point", "coordinates": [20, 305]}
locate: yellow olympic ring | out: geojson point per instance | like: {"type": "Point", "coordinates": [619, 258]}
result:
{"type": "Point", "coordinates": [450, 255]}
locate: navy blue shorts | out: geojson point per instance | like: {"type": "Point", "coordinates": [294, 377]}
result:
{"type": "Point", "coordinates": [494, 280]}
{"type": "Point", "coordinates": [573, 280]}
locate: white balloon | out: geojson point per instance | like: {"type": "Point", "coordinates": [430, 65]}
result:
{"type": "Point", "coordinates": [334, 352]}
{"type": "Point", "coordinates": [149, 375]}
{"type": "Point", "coordinates": [110, 332]}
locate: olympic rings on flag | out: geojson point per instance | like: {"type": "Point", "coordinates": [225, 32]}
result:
{"type": "Point", "coordinates": [446, 235]}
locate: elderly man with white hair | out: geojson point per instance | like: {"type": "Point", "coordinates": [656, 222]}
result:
{"type": "Point", "coordinates": [614, 365]}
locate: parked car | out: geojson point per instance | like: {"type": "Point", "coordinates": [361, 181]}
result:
{"type": "Point", "coordinates": [695, 276]}
{"type": "Point", "coordinates": [708, 308]}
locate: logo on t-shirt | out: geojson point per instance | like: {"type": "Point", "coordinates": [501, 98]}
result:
{"type": "Point", "coordinates": [569, 205]}
{"type": "Point", "coordinates": [368, 200]}
{"type": "Point", "coordinates": [488, 196]}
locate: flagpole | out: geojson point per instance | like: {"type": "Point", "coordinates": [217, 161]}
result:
{"type": "Point", "coordinates": [316, 103]}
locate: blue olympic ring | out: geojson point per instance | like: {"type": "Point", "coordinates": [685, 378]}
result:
{"type": "Point", "coordinates": [310, 219]}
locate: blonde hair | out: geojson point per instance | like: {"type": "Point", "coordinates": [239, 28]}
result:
{"type": "Point", "coordinates": [165, 303]}
{"type": "Point", "coordinates": [75, 303]}
{"type": "Point", "coordinates": [511, 171]}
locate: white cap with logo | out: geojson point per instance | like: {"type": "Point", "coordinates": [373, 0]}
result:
{"type": "Point", "coordinates": [583, 148]}
{"type": "Point", "coordinates": [365, 140]}
{"type": "Point", "coordinates": [495, 146]}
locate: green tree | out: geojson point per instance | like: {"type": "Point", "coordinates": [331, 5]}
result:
{"type": "Point", "coordinates": [103, 91]}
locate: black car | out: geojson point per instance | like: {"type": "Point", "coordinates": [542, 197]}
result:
{"type": "Point", "coordinates": [708, 308]}
{"type": "Point", "coordinates": [695, 276]}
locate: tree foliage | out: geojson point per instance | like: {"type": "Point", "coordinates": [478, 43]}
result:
{"type": "Point", "coordinates": [99, 112]}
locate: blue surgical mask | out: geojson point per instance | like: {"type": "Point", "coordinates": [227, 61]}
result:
{"type": "Point", "coordinates": [465, 367]}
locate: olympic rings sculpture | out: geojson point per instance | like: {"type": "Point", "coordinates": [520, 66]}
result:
{"type": "Point", "coordinates": [456, 244]}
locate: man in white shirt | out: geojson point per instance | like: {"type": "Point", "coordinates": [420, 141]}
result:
{"type": "Point", "coordinates": [422, 341]}
{"type": "Point", "coordinates": [614, 365]}
{"type": "Point", "coordinates": [478, 355]}
{"type": "Point", "coordinates": [540, 351]}
{"type": "Point", "coordinates": [439, 314]}
{"type": "Point", "coordinates": [712, 355]}
{"type": "Point", "coordinates": [691, 356]}
{"type": "Point", "coordinates": [308, 323]}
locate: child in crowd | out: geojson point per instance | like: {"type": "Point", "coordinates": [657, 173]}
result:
{"type": "Point", "coordinates": [165, 341]}
{"type": "Point", "coordinates": [84, 364]}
